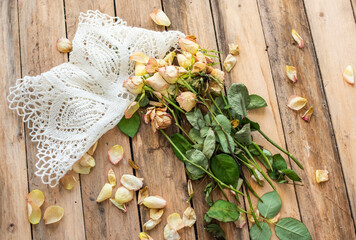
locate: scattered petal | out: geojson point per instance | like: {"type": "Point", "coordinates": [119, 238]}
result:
{"type": "Point", "coordinates": [348, 75]}
{"type": "Point", "coordinates": [144, 236]}
{"type": "Point", "coordinates": [64, 45]}
{"type": "Point", "coordinates": [189, 217]}
{"type": "Point", "coordinates": [160, 18]}
{"type": "Point", "coordinates": [77, 168]}
{"type": "Point", "coordinates": [131, 109]}
{"type": "Point", "coordinates": [175, 222]}
{"type": "Point", "coordinates": [275, 219]}
{"type": "Point", "coordinates": [122, 207]}
{"type": "Point", "coordinates": [36, 197]}
{"type": "Point", "coordinates": [142, 194]}
{"type": "Point", "coordinates": [34, 213]}
{"type": "Point", "coordinates": [154, 202]}
{"type": "Point", "coordinates": [140, 69]}
{"type": "Point", "coordinates": [123, 195]}
{"type": "Point", "coordinates": [170, 234]}
{"type": "Point", "coordinates": [291, 73]}
{"type": "Point", "coordinates": [321, 176]}
{"type": "Point", "coordinates": [298, 38]}
{"type": "Point", "coordinates": [133, 164]}
{"type": "Point", "coordinates": [139, 57]}
{"type": "Point", "coordinates": [68, 181]}
{"type": "Point", "coordinates": [156, 214]}
{"type": "Point", "coordinates": [150, 224]}
{"type": "Point", "coordinates": [190, 188]}
{"type": "Point", "coordinates": [152, 65]}
{"type": "Point", "coordinates": [241, 221]}
{"type": "Point", "coordinates": [229, 62]}
{"type": "Point", "coordinates": [308, 114]}
{"type": "Point", "coordinates": [296, 103]}
{"type": "Point", "coordinates": [53, 214]}
{"type": "Point", "coordinates": [131, 182]}
{"type": "Point", "coordinates": [87, 161]}
{"type": "Point", "coordinates": [92, 149]}
{"type": "Point", "coordinates": [105, 193]}
{"type": "Point", "coordinates": [116, 154]}
{"type": "Point", "coordinates": [111, 177]}
{"type": "Point", "coordinates": [234, 49]}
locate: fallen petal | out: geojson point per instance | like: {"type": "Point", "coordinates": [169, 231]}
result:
{"type": "Point", "coordinates": [234, 49]}
{"type": "Point", "coordinates": [93, 148]}
{"type": "Point", "coordinates": [170, 234]}
{"type": "Point", "coordinates": [111, 177]}
{"type": "Point", "coordinates": [144, 236]}
{"type": "Point", "coordinates": [105, 193]}
{"type": "Point", "coordinates": [150, 224]}
{"type": "Point", "coordinates": [298, 38]}
{"type": "Point", "coordinates": [154, 202]}
{"type": "Point", "coordinates": [142, 194]}
{"type": "Point", "coordinates": [189, 217]}
{"type": "Point", "coordinates": [229, 62]}
{"type": "Point", "coordinates": [122, 207]}
{"type": "Point", "coordinates": [307, 115]}
{"type": "Point", "coordinates": [291, 73]}
{"type": "Point", "coordinates": [241, 221]}
{"type": "Point", "coordinates": [131, 182]}
{"type": "Point", "coordinates": [296, 103]}
{"type": "Point", "coordinates": [156, 214]}
{"type": "Point", "coordinates": [321, 176]}
{"type": "Point", "coordinates": [175, 222]}
{"type": "Point", "coordinates": [77, 168]}
{"type": "Point", "coordinates": [131, 109]}
{"type": "Point", "coordinates": [116, 154]}
{"type": "Point", "coordinates": [87, 161]}
{"type": "Point", "coordinates": [53, 214]}
{"type": "Point", "coordinates": [123, 195]}
{"type": "Point", "coordinates": [34, 213]}
{"type": "Point", "coordinates": [36, 197]}
{"type": "Point", "coordinates": [139, 57]}
{"type": "Point", "coordinates": [348, 75]}
{"type": "Point", "coordinates": [276, 218]}
{"type": "Point", "coordinates": [190, 188]}
{"type": "Point", "coordinates": [160, 18]}
{"type": "Point", "coordinates": [68, 181]}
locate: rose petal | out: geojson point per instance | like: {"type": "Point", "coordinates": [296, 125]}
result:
{"type": "Point", "coordinates": [229, 62]}
{"type": "Point", "coordinates": [122, 207]}
{"type": "Point", "coordinates": [53, 214]}
{"type": "Point", "coordinates": [156, 214]}
{"type": "Point", "coordinates": [152, 65]}
{"type": "Point", "coordinates": [87, 161]}
{"type": "Point", "coordinates": [189, 217]}
{"type": "Point", "coordinates": [34, 213]}
{"type": "Point", "coordinates": [298, 38]}
{"type": "Point", "coordinates": [123, 195]}
{"type": "Point", "coordinates": [348, 75]}
{"type": "Point", "coordinates": [150, 224]}
{"type": "Point", "coordinates": [188, 45]}
{"type": "Point", "coordinates": [131, 109]}
{"type": "Point", "coordinates": [36, 197]}
{"type": "Point", "coordinates": [160, 18]}
{"type": "Point", "coordinates": [131, 182]}
{"type": "Point", "coordinates": [291, 73]}
{"type": "Point", "coordinates": [77, 168]}
{"type": "Point", "coordinates": [241, 221]}
{"type": "Point", "coordinates": [296, 103]}
{"type": "Point", "coordinates": [190, 188]}
{"type": "Point", "coordinates": [142, 194]}
{"type": "Point", "coordinates": [307, 115]}
{"type": "Point", "coordinates": [169, 58]}
{"type": "Point", "coordinates": [170, 234]}
{"type": "Point", "coordinates": [140, 69]}
{"type": "Point", "coordinates": [93, 148]}
{"type": "Point", "coordinates": [144, 236]}
{"type": "Point", "coordinates": [234, 49]}
{"type": "Point", "coordinates": [111, 177]}
{"type": "Point", "coordinates": [105, 193]}
{"type": "Point", "coordinates": [116, 154]}
{"type": "Point", "coordinates": [68, 181]}
{"type": "Point", "coordinates": [321, 176]}
{"type": "Point", "coordinates": [175, 222]}
{"type": "Point", "coordinates": [154, 202]}
{"type": "Point", "coordinates": [139, 57]}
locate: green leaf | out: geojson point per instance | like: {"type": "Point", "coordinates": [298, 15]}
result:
{"type": "Point", "coordinates": [244, 135]}
{"type": "Point", "coordinates": [182, 143]}
{"type": "Point", "coordinates": [207, 219]}
{"type": "Point", "coordinates": [271, 204]}
{"type": "Point", "coordinates": [216, 231]}
{"type": "Point", "coordinates": [224, 211]}
{"type": "Point", "coordinates": [220, 103]}
{"type": "Point", "coordinates": [130, 126]}
{"type": "Point", "coordinates": [253, 125]}
{"type": "Point", "coordinates": [261, 234]}
{"type": "Point", "coordinates": [224, 142]}
{"type": "Point", "coordinates": [252, 149]}
{"type": "Point", "coordinates": [269, 156]}
{"type": "Point", "coordinates": [238, 98]}
{"type": "Point", "coordinates": [195, 118]}
{"type": "Point", "coordinates": [204, 131]}
{"type": "Point", "coordinates": [198, 158]}
{"type": "Point", "coordinates": [226, 169]}
{"type": "Point", "coordinates": [144, 101]}
{"type": "Point", "coordinates": [290, 228]}
{"type": "Point", "coordinates": [207, 119]}
{"type": "Point", "coordinates": [279, 162]}
{"type": "Point", "coordinates": [256, 102]}
{"type": "Point", "coordinates": [207, 191]}
{"type": "Point", "coordinates": [224, 122]}
{"type": "Point", "coordinates": [209, 144]}
{"type": "Point", "coordinates": [195, 135]}
{"type": "Point", "coordinates": [291, 175]}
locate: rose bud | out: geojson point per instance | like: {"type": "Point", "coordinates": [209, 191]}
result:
{"type": "Point", "coordinates": [198, 67]}
{"type": "Point", "coordinates": [157, 82]}
{"type": "Point", "coordinates": [201, 57]}
{"type": "Point", "coordinates": [158, 117]}
{"type": "Point", "coordinates": [218, 75]}
{"type": "Point", "coordinates": [187, 100]}
{"type": "Point", "coordinates": [64, 45]}
{"type": "Point", "coordinates": [160, 18]}
{"type": "Point", "coordinates": [188, 45]}
{"type": "Point", "coordinates": [170, 74]}
{"type": "Point", "coordinates": [134, 84]}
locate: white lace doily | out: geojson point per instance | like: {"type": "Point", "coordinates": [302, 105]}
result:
{"type": "Point", "coordinates": [71, 106]}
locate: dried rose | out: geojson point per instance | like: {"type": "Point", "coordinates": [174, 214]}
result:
{"type": "Point", "coordinates": [157, 82]}
{"type": "Point", "coordinates": [201, 57]}
{"type": "Point", "coordinates": [348, 75]}
{"type": "Point", "coordinates": [134, 84]}
{"type": "Point", "coordinates": [169, 58]}
{"type": "Point", "coordinates": [187, 100]}
{"type": "Point", "coordinates": [296, 103]}
{"type": "Point", "coordinates": [185, 60]}
{"type": "Point", "coordinates": [64, 45]}
{"type": "Point", "coordinates": [131, 109]}
{"type": "Point", "coordinates": [291, 73]}
{"type": "Point", "coordinates": [298, 38]}
{"type": "Point", "coordinates": [218, 75]}
{"type": "Point", "coordinates": [229, 62]}
{"type": "Point", "coordinates": [169, 73]}
{"type": "Point", "coordinates": [307, 115]}
{"type": "Point", "coordinates": [188, 45]}
{"type": "Point", "coordinates": [234, 49]}
{"type": "Point", "coordinates": [199, 67]}
{"type": "Point", "coordinates": [158, 117]}
{"type": "Point", "coordinates": [152, 65]}
{"type": "Point", "coordinates": [160, 18]}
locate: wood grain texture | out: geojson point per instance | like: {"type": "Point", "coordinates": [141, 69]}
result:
{"type": "Point", "coordinates": [313, 142]}
{"type": "Point", "coordinates": [333, 56]}
{"type": "Point", "coordinates": [13, 172]}
{"type": "Point", "coordinates": [41, 24]}
{"type": "Point", "coordinates": [164, 174]}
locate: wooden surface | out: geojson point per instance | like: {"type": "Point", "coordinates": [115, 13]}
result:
{"type": "Point", "coordinates": [29, 30]}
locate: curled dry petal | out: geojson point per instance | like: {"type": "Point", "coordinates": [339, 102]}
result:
{"type": "Point", "coordinates": [229, 62]}
{"type": "Point", "coordinates": [139, 57]}
{"type": "Point", "coordinates": [156, 104]}
{"type": "Point", "coordinates": [142, 194]}
{"type": "Point", "coordinates": [321, 176]}
{"type": "Point", "coordinates": [92, 149]}
{"type": "Point", "coordinates": [131, 109]}
{"type": "Point", "coordinates": [187, 100]}
{"type": "Point", "coordinates": [184, 61]}
{"type": "Point", "coordinates": [116, 154]}
{"type": "Point", "coordinates": [144, 236]}
{"type": "Point", "coordinates": [133, 164]}
{"type": "Point", "coordinates": [296, 103]}
{"type": "Point", "coordinates": [201, 57]}
{"type": "Point", "coordinates": [150, 224]}
{"type": "Point", "coordinates": [131, 182]}
{"type": "Point", "coordinates": [189, 217]}
{"type": "Point", "coordinates": [198, 67]}
{"type": "Point", "coordinates": [234, 49]}
{"type": "Point", "coordinates": [158, 117]}
{"type": "Point", "coordinates": [175, 222]}
{"type": "Point", "coordinates": [188, 45]}
{"type": "Point", "coordinates": [154, 202]}
{"type": "Point", "coordinates": [291, 73]}
{"type": "Point", "coordinates": [87, 161]}
{"type": "Point", "coordinates": [152, 65]}
{"type": "Point", "coordinates": [275, 219]}
{"type": "Point", "coordinates": [134, 84]}
{"type": "Point", "coordinates": [298, 38]}
{"type": "Point", "coordinates": [169, 73]}
{"type": "Point", "coordinates": [156, 214]}
{"type": "Point", "coordinates": [169, 58]}
{"type": "Point", "coordinates": [68, 181]}
{"type": "Point", "coordinates": [308, 114]}
{"type": "Point", "coordinates": [122, 207]}
{"type": "Point", "coordinates": [53, 214]}
{"type": "Point", "coordinates": [140, 69]}
{"type": "Point", "coordinates": [64, 45]}
{"type": "Point", "coordinates": [157, 82]}
{"type": "Point", "coordinates": [34, 213]}
{"type": "Point", "coordinates": [235, 123]}
{"type": "Point", "coordinates": [170, 234]}
{"type": "Point", "coordinates": [218, 75]}
{"type": "Point", "coordinates": [348, 75]}
{"type": "Point", "coordinates": [123, 195]}
{"type": "Point", "coordinates": [105, 193]}
{"type": "Point", "coordinates": [77, 168]}
{"type": "Point", "coordinates": [111, 177]}
{"type": "Point", "coordinates": [36, 197]}
{"type": "Point", "coordinates": [190, 188]}
{"type": "Point", "coordinates": [160, 18]}
{"type": "Point", "coordinates": [240, 223]}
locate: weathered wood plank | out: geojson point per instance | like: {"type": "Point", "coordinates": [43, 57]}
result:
{"type": "Point", "coordinates": [41, 24]}
{"type": "Point", "coordinates": [324, 207]}
{"type": "Point", "coordinates": [163, 173]}
{"type": "Point", "coordinates": [103, 220]}
{"type": "Point", "coordinates": [333, 56]}
{"type": "Point", "coordinates": [13, 173]}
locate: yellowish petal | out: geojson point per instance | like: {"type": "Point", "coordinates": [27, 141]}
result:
{"type": "Point", "coordinates": [105, 193]}
{"type": "Point", "coordinates": [53, 214]}
{"type": "Point", "coordinates": [296, 103]}
{"type": "Point", "coordinates": [36, 197]}
{"type": "Point", "coordinates": [116, 154]}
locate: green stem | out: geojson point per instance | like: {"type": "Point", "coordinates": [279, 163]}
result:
{"type": "Point", "coordinates": [251, 209]}
{"type": "Point", "coordinates": [217, 107]}
{"type": "Point", "coordinates": [263, 155]}
{"type": "Point", "coordinates": [226, 103]}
